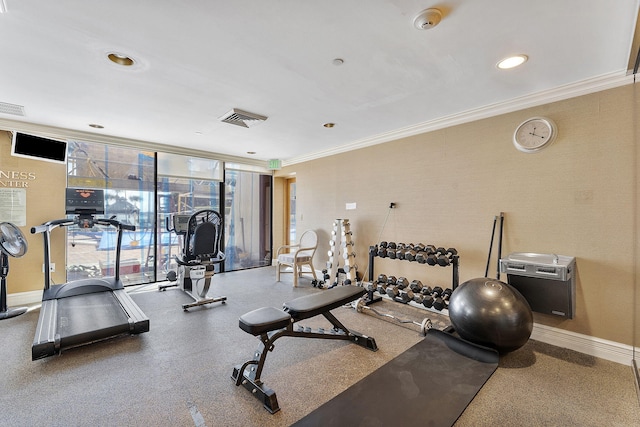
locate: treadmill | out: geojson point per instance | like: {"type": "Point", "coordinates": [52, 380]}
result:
{"type": "Point", "coordinates": [87, 310]}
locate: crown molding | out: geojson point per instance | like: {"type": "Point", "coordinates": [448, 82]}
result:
{"type": "Point", "coordinates": [585, 87]}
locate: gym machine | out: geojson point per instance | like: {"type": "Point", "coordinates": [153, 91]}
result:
{"type": "Point", "coordinates": [200, 236]}
{"type": "Point", "coordinates": [87, 310]}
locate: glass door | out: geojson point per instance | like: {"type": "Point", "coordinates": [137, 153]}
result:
{"type": "Point", "coordinates": [247, 218]}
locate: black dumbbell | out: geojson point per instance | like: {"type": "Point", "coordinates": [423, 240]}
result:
{"type": "Point", "coordinates": [427, 301]}
{"type": "Point", "coordinates": [443, 260]}
{"type": "Point", "coordinates": [451, 252]}
{"type": "Point", "coordinates": [392, 291]}
{"type": "Point", "coordinates": [410, 255]}
{"type": "Point", "coordinates": [382, 244]}
{"type": "Point", "coordinates": [382, 251]}
{"type": "Point", "coordinates": [419, 247]}
{"type": "Point", "coordinates": [437, 291]}
{"type": "Point", "coordinates": [391, 245]}
{"type": "Point", "coordinates": [391, 253]}
{"type": "Point", "coordinates": [400, 253]}
{"type": "Point", "coordinates": [439, 303]}
{"type": "Point", "coordinates": [415, 285]}
{"type": "Point", "coordinates": [421, 257]}
{"type": "Point", "coordinates": [426, 290]}
{"type": "Point", "coordinates": [405, 296]}
{"type": "Point", "coordinates": [381, 287]}
{"type": "Point", "coordinates": [402, 282]}
{"type": "Point", "coordinates": [432, 259]}
{"type": "Point", "coordinates": [430, 249]}
{"type": "Point", "coordinates": [391, 280]}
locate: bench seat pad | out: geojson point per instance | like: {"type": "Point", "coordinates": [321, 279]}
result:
{"type": "Point", "coordinates": [263, 320]}
{"type": "Point", "coordinates": [321, 302]}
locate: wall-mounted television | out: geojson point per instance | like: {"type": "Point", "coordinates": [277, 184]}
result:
{"type": "Point", "coordinates": [35, 147]}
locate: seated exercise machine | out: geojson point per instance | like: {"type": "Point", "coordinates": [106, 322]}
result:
{"type": "Point", "coordinates": [87, 310]}
{"type": "Point", "coordinates": [200, 238]}
{"type": "Point", "coordinates": [270, 324]}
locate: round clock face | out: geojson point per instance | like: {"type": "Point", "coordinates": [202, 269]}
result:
{"type": "Point", "coordinates": [534, 134]}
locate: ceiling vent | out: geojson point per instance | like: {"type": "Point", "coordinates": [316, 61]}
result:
{"type": "Point", "coordinates": [16, 110]}
{"type": "Point", "coordinates": [242, 118]}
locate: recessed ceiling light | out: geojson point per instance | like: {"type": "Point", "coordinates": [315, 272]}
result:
{"type": "Point", "coordinates": [251, 152]}
{"type": "Point", "coordinates": [96, 126]}
{"type": "Point", "coordinates": [338, 61]}
{"type": "Point", "coordinates": [120, 59]}
{"type": "Point", "coordinates": [329, 125]}
{"type": "Point", "coordinates": [512, 61]}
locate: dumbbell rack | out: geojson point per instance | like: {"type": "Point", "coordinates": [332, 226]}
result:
{"type": "Point", "coordinates": [455, 261]}
{"type": "Point", "coordinates": [341, 247]}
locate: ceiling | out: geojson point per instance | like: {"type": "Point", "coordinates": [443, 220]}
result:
{"type": "Point", "coordinates": [195, 61]}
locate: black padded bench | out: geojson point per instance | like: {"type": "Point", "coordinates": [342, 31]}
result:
{"type": "Point", "coordinates": [271, 323]}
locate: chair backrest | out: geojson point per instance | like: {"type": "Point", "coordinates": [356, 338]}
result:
{"type": "Point", "coordinates": [204, 236]}
{"type": "Point", "coordinates": [309, 239]}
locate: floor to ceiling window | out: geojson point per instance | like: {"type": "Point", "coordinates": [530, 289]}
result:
{"type": "Point", "coordinates": [127, 176]}
{"type": "Point", "coordinates": [185, 186]}
{"type": "Point", "coordinates": [143, 189]}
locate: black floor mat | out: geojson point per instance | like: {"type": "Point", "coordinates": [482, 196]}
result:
{"type": "Point", "coordinates": [430, 384]}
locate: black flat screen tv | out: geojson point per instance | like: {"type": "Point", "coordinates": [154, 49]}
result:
{"type": "Point", "coordinates": [35, 147]}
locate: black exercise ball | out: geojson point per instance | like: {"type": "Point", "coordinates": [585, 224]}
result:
{"type": "Point", "coordinates": [491, 313]}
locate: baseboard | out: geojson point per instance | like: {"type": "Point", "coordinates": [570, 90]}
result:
{"type": "Point", "coordinates": [24, 298]}
{"type": "Point", "coordinates": [592, 346]}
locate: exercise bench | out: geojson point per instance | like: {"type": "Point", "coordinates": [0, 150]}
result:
{"type": "Point", "coordinates": [271, 323]}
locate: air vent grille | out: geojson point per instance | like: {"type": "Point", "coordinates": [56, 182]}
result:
{"type": "Point", "coordinates": [242, 118]}
{"type": "Point", "coordinates": [16, 110]}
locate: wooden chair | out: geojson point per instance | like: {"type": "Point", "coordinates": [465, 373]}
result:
{"type": "Point", "coordinates": [298, 255]}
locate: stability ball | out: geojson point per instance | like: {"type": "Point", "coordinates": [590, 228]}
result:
{"type": "Point", "coordinates": [491, 313]}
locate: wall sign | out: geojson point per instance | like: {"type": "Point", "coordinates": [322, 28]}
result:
{"type": "Point", "coordinates": [13, 206]}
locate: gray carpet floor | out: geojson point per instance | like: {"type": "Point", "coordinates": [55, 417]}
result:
{"type": "Point", "coordinates": [178, 374]}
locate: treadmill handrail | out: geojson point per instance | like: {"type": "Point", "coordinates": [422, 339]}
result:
{"type": "Point", "coordinates": [48, 226]}
{"type": "Point", "coordinates": [115, 223]}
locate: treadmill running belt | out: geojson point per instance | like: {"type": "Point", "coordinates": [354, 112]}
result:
{"type": "Point", "coordinates": [91, 317]}
{"type": "Point", "coordinates": [430, 384]}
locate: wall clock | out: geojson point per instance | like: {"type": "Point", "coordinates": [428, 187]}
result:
{"type": "Point", "coordinates": [534, 134]}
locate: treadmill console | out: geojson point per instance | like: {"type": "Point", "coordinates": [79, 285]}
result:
{"type": "Point", "coordinates": [84, 201]}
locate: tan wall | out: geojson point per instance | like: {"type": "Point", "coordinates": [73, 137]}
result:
{"type": "Point", "coordinates": [279, 215]}
{"type": "Point", "coordinates": [45, 201]}
{"type": "Point", "coordinates": [575, 198]}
